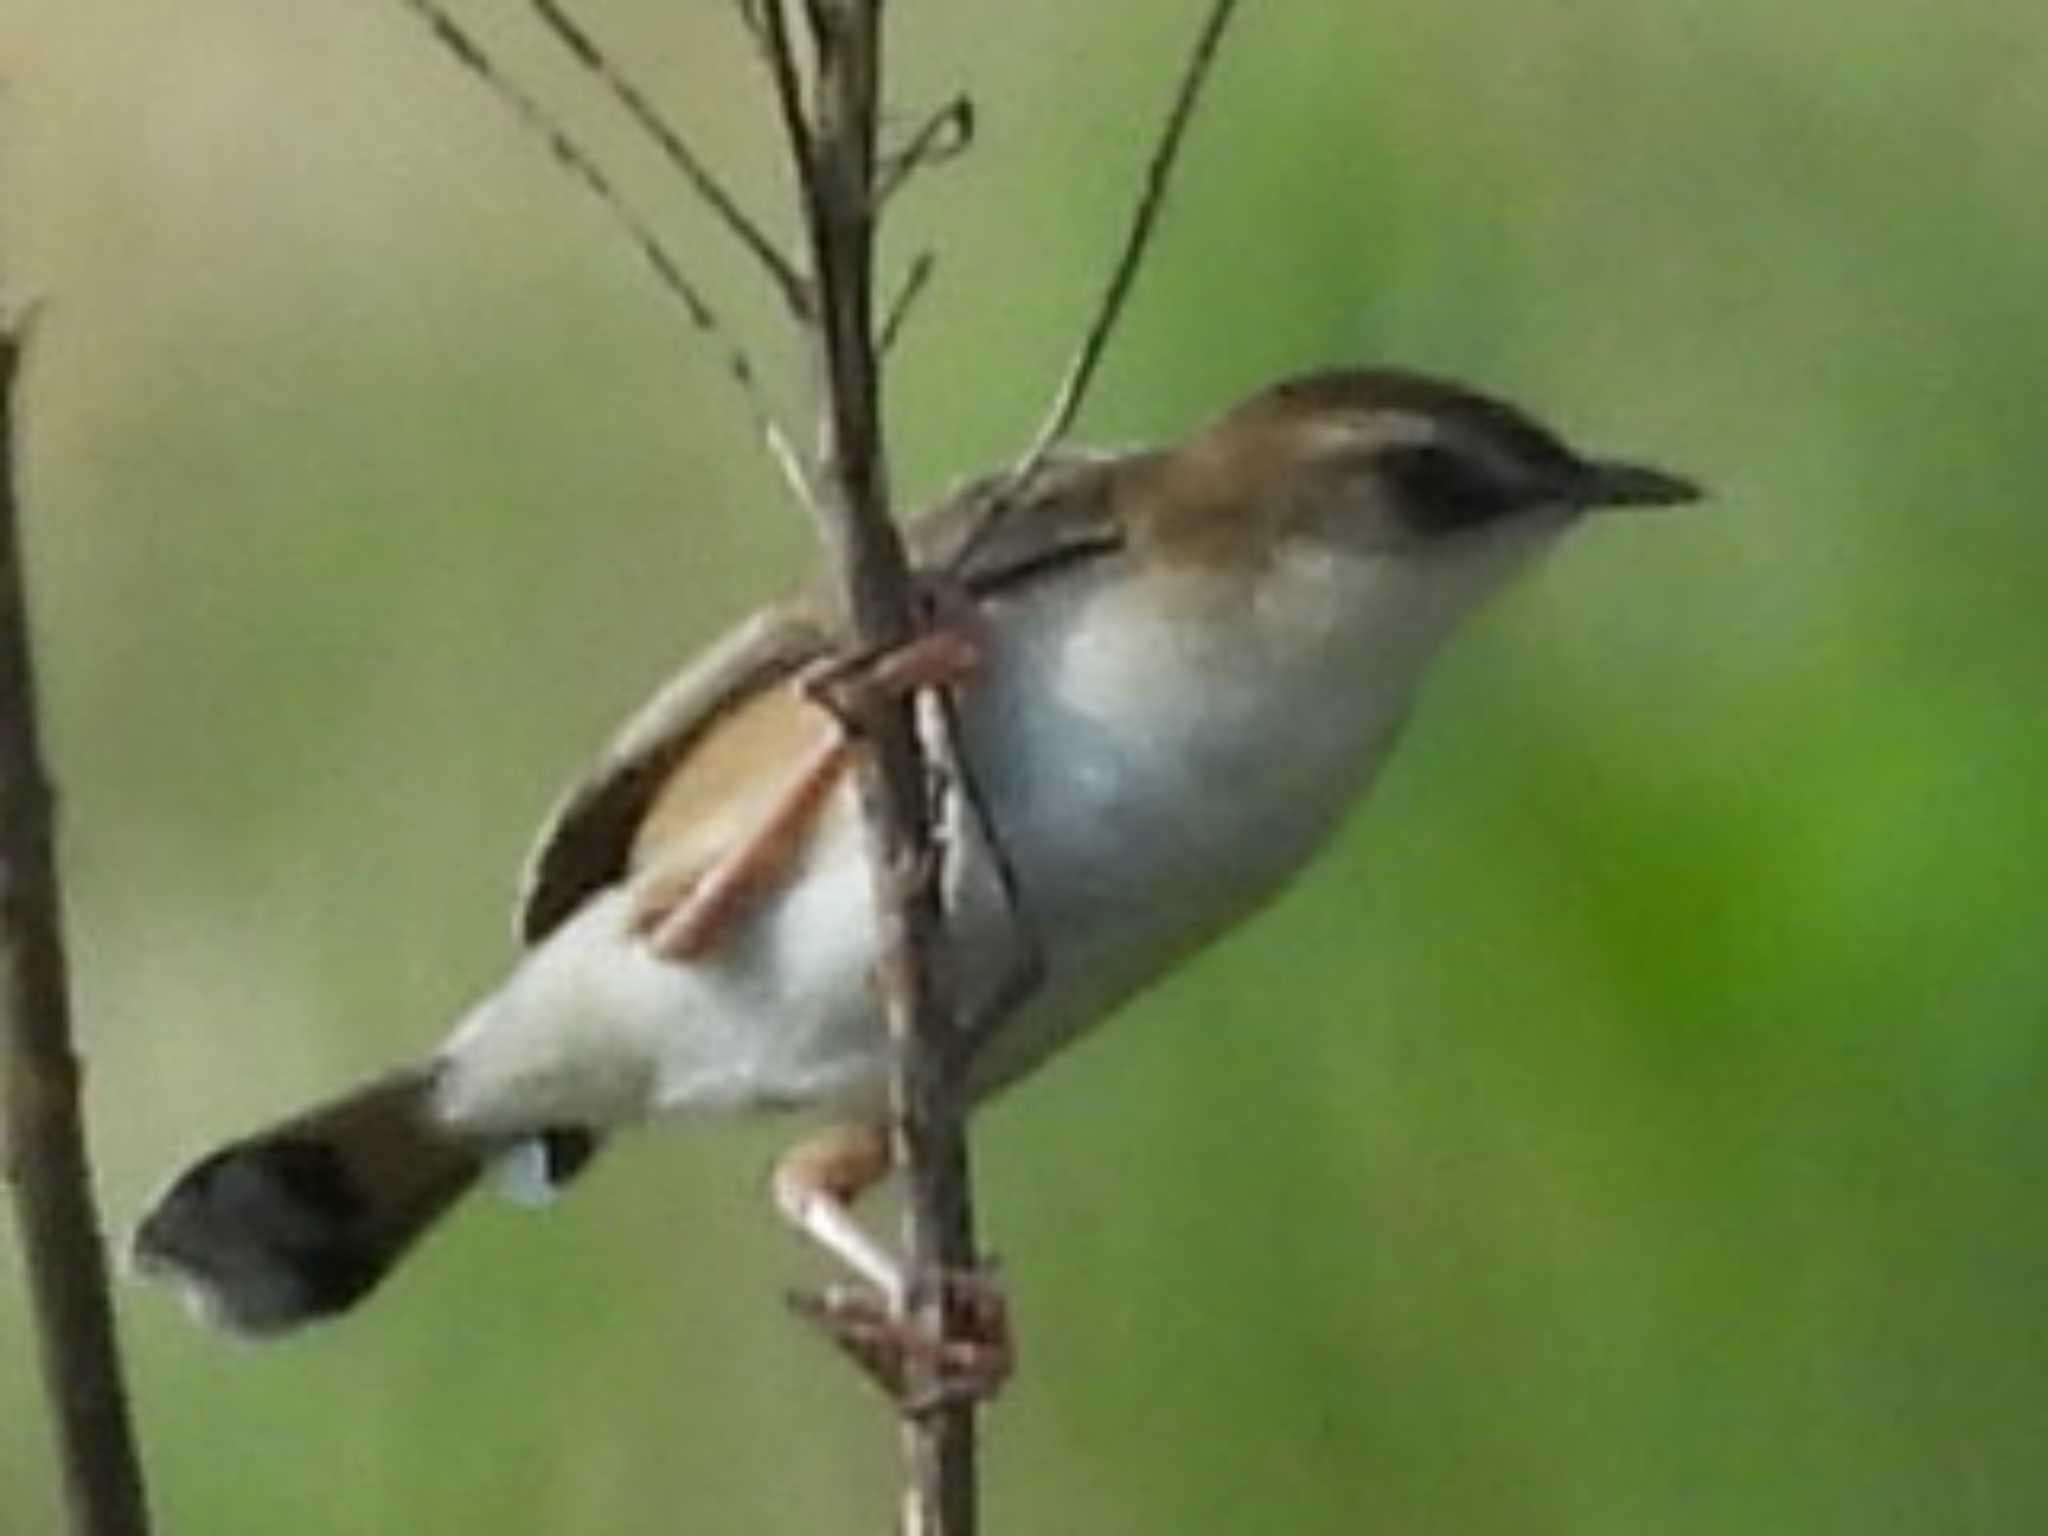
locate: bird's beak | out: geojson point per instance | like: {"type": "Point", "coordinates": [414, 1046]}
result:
{"type": "Point", "coordinates": [1610, 483]}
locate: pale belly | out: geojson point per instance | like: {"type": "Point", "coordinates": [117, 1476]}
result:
{"type": "Point", "coordinates": [1149, 796]}
{"type": "Point", "coordinates": [1150, 801]}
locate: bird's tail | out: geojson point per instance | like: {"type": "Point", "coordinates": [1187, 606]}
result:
{"type": "Point", "coordinates": [301, 1221]}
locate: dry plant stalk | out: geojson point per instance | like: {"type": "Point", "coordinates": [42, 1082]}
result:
{"type": "Point", "coordinates": [832, 131]}
{"type": "Point", "coordinates": [829, 93]}
{"type": "Point", "coordinates": [832, 139]}
{"type": "Point", "coordinates": [47, 1170]}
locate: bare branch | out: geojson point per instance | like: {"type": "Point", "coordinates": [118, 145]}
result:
{"type": "Point", "coordinates": [833, 143]}
{"type": "Point", "coordinates": [1073, 391]}
{"type": "Point", "coordinates": [574, 159]}
{"type": "Point", "coordinates": [45, 1156]}
{"type": "Point", "coordinates": [946, 135]}
{"type": "Point", "coordinates": [585, 50]}
{"type": "Point", "coordinates": [1080, 376]}
{"type": "Point", "coordinates": [915, 281]}
{"type": "Point", "coordinates": [770, 28]}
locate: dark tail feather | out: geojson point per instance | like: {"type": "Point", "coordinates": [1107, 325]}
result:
{"type": "Point", "coordinates": [301, 1221]}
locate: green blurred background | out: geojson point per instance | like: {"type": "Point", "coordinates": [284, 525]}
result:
{"type": "Point", "coordinates": [1634, 1126]}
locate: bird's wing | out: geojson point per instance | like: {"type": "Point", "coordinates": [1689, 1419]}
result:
{"type": "Point", "coordinates": [587, 841]}
{"type": "Point", "coordinates": [667, 763]}
{"type": "Point", "coordinates": [1066, 514]}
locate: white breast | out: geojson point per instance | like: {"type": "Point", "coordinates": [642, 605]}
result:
{"type": "Point", "coordinates": [1159, 757]}
{"type": "Point", "coordinates": [1162, 768]}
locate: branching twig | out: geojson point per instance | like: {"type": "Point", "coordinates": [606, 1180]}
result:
{"type": "Point", "coordinates": [828, 94]}
{"type": "Point", "coordinates": [915, 281]}
{"type": "Point", "coordinates": [577, 161]}
{"type": "Point", "coordinates": [947, 134]}
{"type": "Point", "coordinates": [765, 21]}
{"type": "Point", "coordinates": [585, 50]}
{"type": "Point", "coordinates": [45, 1160]}
{"type": "Point", "coordinates": [832, 137]}
{"type": "Point", "coordinates": [1073, 391]}
{"type": "Point", "coordinates": [1080, 376]}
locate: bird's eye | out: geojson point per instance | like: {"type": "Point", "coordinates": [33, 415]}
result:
{"type": "Point", "coordinates": [1438, 490]}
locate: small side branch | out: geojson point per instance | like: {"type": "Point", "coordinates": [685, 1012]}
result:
{"type": "Point", "coordinates": [1080, 377]}
{"type": "Point", "coordinates": [1073, 391]}
{"type": "Point", "coordinates": [946, 135]}
{"type": "Point", "coordinates": [668, 271]}
{"type": "Point", "coordinates": [585, 50]}
{"type": "Point", "coordinates": [915, 281]}
{"type": "Point", "coordinates": [47, 1170]}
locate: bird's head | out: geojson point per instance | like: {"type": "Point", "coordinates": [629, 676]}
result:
{"type": "Point", "coordinates": [1388, 463]}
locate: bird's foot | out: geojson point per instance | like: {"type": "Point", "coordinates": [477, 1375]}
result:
{"type": "Point", "coordinates": [944, 655]}
{"type": "Point", "coordinates": [922, 1373]}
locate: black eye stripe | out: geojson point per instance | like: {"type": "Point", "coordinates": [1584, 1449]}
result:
{"type": "Point", "coordinates": [1442, 491]}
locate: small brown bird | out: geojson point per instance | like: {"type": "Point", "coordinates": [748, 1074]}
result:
{"type": "Point", "coordinates": [1190, 661]}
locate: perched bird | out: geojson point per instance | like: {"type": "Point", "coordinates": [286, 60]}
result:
{"type": "Point", "coordinates": [1181, 666]}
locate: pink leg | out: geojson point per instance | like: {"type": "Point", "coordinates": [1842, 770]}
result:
{"type": "Point", "coordinates": [688, 923]}
{"type": "Point", "coordinates": [693, 925]}
{"type": "Point", "coordinates": [816, 1185]}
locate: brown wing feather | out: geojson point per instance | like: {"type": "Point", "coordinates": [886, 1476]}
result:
{"type": "Point", "coordinates": [654, 770]}
{"type": "Point", "coordinates": [587, 842]}
{"type": "Point", "coordinates": [1070, 512]}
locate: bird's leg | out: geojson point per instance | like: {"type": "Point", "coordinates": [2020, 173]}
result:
{"type": "Point", "coordinates": [816, 1184]}
{"type": "Point", "coordinates": [684, 916]}
{"type": "Point", "coordinates": [684, 924]}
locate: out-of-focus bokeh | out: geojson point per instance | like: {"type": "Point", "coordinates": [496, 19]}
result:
{"type": "Point", "coordinates": [1636, 1125]}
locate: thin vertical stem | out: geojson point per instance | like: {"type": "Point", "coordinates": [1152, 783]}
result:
{"type": "Point", "coordinates": [1080, 376]}
{"type": "Point", "coordinates": [45, 1161]}
{"type": "Point", "coordinates": [833, 138]}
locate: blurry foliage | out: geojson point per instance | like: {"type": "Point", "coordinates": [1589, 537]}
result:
{"type": "Point", "coordinates": [1636, 1125]}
